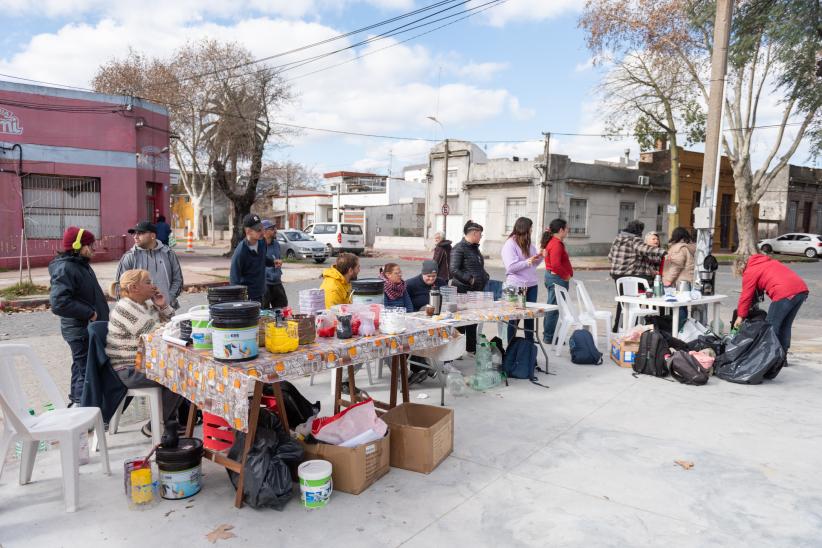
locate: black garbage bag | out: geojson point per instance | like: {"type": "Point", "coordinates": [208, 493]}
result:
{"type": "Point", "coordinates": [297, 408]}
{"type": "Point", "coordinates": [707, 341]}
{"type": "Point", "coordinates": [268, 482]}
{"type": "Point", "coordinates": [750, 356]}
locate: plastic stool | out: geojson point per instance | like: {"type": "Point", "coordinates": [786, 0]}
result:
{"type": "Point", "coordinates": [217, 433]}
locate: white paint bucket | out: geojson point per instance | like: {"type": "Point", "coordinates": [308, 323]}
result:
{"type": "Point", "coordinates": [200, 329]}
{"type": "Point", "coordinates": [315, 483]}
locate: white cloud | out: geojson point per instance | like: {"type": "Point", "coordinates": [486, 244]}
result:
{"type": "Point", "coordinates": [587, 65]}
{"type": "Point", "coordinates": [480, 71]}
{"type": "Point", "coordinates": [527, 10]}
{"type": "Point", "coordinates": [528, 149]}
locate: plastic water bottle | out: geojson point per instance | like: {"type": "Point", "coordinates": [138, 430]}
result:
{"type": "Point", "coordinates": [483, 354]}
{"type": "Point", "coordinates": [658, 289]}
{"type": "Point", "coordinates": [454, 381]}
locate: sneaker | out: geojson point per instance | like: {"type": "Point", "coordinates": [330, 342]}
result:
{"type": "Point", "coordinates": [146, 429]}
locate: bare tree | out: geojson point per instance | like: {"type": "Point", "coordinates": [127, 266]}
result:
{"type": "Point", "coordinates": [772, 54]}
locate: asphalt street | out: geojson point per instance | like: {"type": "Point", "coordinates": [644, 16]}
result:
{"type": "Point", "coordinates": [41, 329]}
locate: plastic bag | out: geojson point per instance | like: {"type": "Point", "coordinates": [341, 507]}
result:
{"type": "Point", "coordinates": [268, 482]}
{"type": "Point", "coordinates": [751, 355]}
{"type": "Point", "coordinates": [692, 330]}
{"type": "Point", "coordinates": [349, 423]}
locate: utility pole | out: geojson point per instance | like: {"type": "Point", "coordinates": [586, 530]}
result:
{"type": "Point", "coordinates": [445, 195]}
{"type": "Point", "coordinates": [211, 217]}
{"type": "Point", "coordinates": [287, 181]}
{"type": "Point", "coordinates": [543, 187]}
{"type": "Point", "coordinates": [704, 216]}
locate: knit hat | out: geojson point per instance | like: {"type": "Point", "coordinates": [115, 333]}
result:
{"type": "Point", "coordinates": [471, 225]}
{"type": "Point", "coordinates": [429, 267]}
{"type": "Point", "coordinates": [70, 237]}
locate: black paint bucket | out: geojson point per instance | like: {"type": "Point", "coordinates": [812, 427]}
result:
{"type": "Point", "coordinates": [180, 469]}
{"type": "Point", "coordinates": [234, 330]}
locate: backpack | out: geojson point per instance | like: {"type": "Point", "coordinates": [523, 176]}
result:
{"type": "Point", "coordinates": [297, 408]}
{"type": "Point", "coordinates": [583, 349]}
{"type": "Point", "coordinates": [650, 359]}
{"type": "Point", "coordinates": [521, 360]}
{"type": "Point", "coordinates": [687, 370]}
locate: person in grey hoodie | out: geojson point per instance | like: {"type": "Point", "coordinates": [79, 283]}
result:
{"type": "Point", "coordinates": [151, 254]}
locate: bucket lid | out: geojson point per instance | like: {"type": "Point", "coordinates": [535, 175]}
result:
{"type": "Point", "coordinates": [314, 470]}
{"type": "Point", "coordinates": [235, 310]}
{"type": "Point", "coordinates": [187, 449]}
{"type": "Point", "coordinates": [368, 285]}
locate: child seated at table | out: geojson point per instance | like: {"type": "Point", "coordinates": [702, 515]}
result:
{"type": "Point", "coordinates": [140, 310]}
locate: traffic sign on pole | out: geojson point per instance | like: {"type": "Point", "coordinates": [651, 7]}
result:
{"type": "Point", "coordinates": [445, 209]}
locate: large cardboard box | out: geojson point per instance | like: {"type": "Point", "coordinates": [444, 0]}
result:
{"type": "Point", "coordinates": [623, 353]}
{"type": "Point", "coordinates": [421, 436]}
{"type": "Point", "coordinates": [353, 469]}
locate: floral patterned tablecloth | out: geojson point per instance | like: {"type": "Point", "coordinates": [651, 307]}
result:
{"type": "Point", "coordinates": [222, 388]}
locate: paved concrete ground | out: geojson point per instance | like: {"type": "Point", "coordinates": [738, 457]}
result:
{"type": "Point", "coordinates": [588, 462]}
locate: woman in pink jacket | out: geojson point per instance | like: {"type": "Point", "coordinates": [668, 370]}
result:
{"type": "Point", "coordinates": [521, 258]}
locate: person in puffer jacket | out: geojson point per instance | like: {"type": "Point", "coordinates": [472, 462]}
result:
{"type": "Point", "coordinates": [786, 290]}
{"type": "Point", "coordinates": [468, 272]}
{"type": "Point", "coordinates": [77, 298]}
{"type": "Point", "coordinates": [152, 255]}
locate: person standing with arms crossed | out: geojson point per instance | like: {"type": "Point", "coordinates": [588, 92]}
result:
{"type": "Point", "coordinates": [558, 270]}
{"type": "Point", "coordinates": [249, 260]}
{"type": "Point", "coordinates": [274, 296]}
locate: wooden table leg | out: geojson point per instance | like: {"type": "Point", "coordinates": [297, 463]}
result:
{"type": "Point", "coordinates": [352, 385]}
{"type": "Point", "coordinates": [394, 372]}
{"type": "Point", "coordinates": [191, 420]}
{"type": "Point", "coordinates": [337, 389]}
{"type": "Point", "coordinates": [278, 396]}
{"type": "Point", "coordinates": [253, 415]}
{"type": "Point", "coordinates": [406, 395]}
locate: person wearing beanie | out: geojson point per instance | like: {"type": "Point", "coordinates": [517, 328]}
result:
{"type": "Point", "coordinates": [419, 287]}
{"type": "Point", "coordinates": [628, 256]}
{"type": "Point", "coordinates": [77, 298]}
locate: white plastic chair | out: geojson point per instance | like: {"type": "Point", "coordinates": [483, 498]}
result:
{"type": "Point", "coordinates": [587, 309]}
{"type": "Point", "coordinates": [632, 285]}
{"type": "Point", "coordinates": [61, 424]}
{"type": "Point", "coordinates": [155, 402]}
{"type": "Point", "coordinates": [569, 319]}
{"type": "Point", "coordinates": [454, 350]}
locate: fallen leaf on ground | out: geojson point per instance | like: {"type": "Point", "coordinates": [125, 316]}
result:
{"type": "Point", "coordinates": [222, 532]}
{"type": "Point", "coordinates": [168, 513]}
{"type": "Point", "coordinates": [686, 464]}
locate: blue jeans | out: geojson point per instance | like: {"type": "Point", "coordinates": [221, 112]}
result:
{"type": "Point", "coordinates": [781, 314]}
{"type": "Point", "coordinates": [550, 322]}
{"type": "Point", "coordinates": [531, 297]}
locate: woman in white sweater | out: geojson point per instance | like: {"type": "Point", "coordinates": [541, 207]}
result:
{"type": "Point", "coordinates": [140, 310]}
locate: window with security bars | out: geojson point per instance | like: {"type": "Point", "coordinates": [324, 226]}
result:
{"type": "Point", "coordinates": [578, 216]}
{"type": "Point", "coordinates": [453, 186]}
{"type": "Point", "coordinates": [514, 209]}
{"type": "Point", "coordinates": [626, 213]}
{"type": "Point", "coordinates": [52, 203]}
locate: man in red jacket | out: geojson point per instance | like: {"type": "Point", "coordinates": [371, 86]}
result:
{"type": "Point", "coordinates": [783, 286]}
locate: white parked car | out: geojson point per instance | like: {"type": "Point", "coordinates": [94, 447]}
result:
{"type": "Point", "coordinates": [296, 244]}
{"type": "Point", "coordinates": [339, 237]}
{"type": "Point", "coordinates": [795, 243]}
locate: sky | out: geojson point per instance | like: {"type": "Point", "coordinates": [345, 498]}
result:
{"type": "Point", "coordinates": [505, 75]}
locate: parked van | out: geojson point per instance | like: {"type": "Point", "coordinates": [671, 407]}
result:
{"type": "Point", "coordinates": [339, 237]}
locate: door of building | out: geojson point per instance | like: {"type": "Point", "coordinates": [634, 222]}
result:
{"type": "Point", "coordinates": [806, 217]}
{"type": "Point", "coordinates": [152, 202]}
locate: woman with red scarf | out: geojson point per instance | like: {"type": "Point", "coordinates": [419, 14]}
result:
{"type": "Point", "coordinates": [396, 294]}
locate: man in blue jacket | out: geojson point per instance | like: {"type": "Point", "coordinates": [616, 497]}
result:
{"type": "Point", "coordinates": [249, 260]}
{"type": "Point", "coordinates": [274, 296]}
{"type": "Point", "coordinates": [419, 287]}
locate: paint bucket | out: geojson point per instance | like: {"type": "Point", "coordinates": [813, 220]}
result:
{"type": "Point", "coordinates": [180, 468]}
{"type": "Point", "coordinates": [200, 330]}
{"type": "Point", "coordinates": [315, 483]}
{"type": "Point", "coordinates": [234, 330]}
{"type": "Point", "coordinates": [368, 291]}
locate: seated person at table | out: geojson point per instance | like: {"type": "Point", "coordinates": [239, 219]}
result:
{"type": "Point", "coordinates": [337, 279]}
{"type": "Point", "coordinates": [140, 310]}
{"type": "Point", "coordinates": [396, 295]}
{"type": "Point", "coordinates": [419, 287]}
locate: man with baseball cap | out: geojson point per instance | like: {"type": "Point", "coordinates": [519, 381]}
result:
{"type": "Point", "coordinates": [250, 260]}
{"type": "Point", "coordinates": [149, 253]}
{"type": "Point", "coordinates": [76, 296]}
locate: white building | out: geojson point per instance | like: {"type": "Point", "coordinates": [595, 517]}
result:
{"type": "Point", "coordinates": [304, 207]}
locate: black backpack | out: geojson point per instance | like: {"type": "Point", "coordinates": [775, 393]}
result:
{"type": "Point", "coordinates": [687, 370]}
{"type": "Point", "coordinates": [583, 349]}
{"type": "Point", "coordinates": [650, 359]}
{"type": "Point", "coordinates": [520, 360]}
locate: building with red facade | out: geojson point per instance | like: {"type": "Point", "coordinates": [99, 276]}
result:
{"type": "Point", "coordinates": [77, 158]}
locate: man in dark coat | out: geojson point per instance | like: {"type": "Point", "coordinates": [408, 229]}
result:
{"type": "Point", "coordinates": [76, 296]}
{"type": "Point", "coordinates": [467, 267]}
{"type": "Point", "coordinates": [442, 254]}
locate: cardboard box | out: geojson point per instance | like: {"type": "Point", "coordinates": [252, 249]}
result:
{"type": "Point", "coordinates": [623, 353]}
{"type": "Point", "coordinates": [353, 469]}
{"type": "Point", "coordinates": [421, 436]}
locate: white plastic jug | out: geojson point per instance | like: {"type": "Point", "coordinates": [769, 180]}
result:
{"type": "Point", "coordinates": [200, 327]}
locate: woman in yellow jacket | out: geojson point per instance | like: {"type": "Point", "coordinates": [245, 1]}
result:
{"type": "Point", "coordinates": [337, 279]}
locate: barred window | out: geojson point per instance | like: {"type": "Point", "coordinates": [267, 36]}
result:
{"type": "Point", "coordinates": [514, 209]}
{"type": "Point", "coordinates": [52, 203]}
{"type": "Point", "coordinates": [453, 186]}
{"type": "Point", "coordinates": [578, 216]}
{"type": "Point", "coordinates": [626, 214]}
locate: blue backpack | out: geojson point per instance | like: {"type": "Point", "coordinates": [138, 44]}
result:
{"type": "Point", "coordinates": [583, 350]}
{"type": "Point", "coordinates": [520, 360]}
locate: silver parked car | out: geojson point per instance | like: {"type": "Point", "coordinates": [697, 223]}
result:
{"type": "Point", "coordinates": [795, 243]}
{"type": "Point", "coordinates": [296, 244]}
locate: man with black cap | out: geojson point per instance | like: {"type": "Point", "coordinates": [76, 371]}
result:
{"type": "Point", "coordinates": [250, 259]}
{"type": "Point", "coordinates": [149, 253]}
{"type": "Point", "coordinates": [467, 267]}
{"type": "Point", "coordinates": [628, 256]}
{"type": "Point", "coordinates": [419, 287]}
{"type": "Point", "coordinates": [76, 296]}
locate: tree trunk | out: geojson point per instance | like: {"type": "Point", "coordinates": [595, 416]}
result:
{"type": "Point", "coordinates": [746, 226]}
{"type": "Point", "coordinates": [673, 218]}
{"type": "Point", "coordinates": [197, 213]}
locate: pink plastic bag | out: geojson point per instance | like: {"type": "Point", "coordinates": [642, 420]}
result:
{"type": "Point", "coordinates": [704, 360]}
{"type": "Point", "coordinates": [349, 423]}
